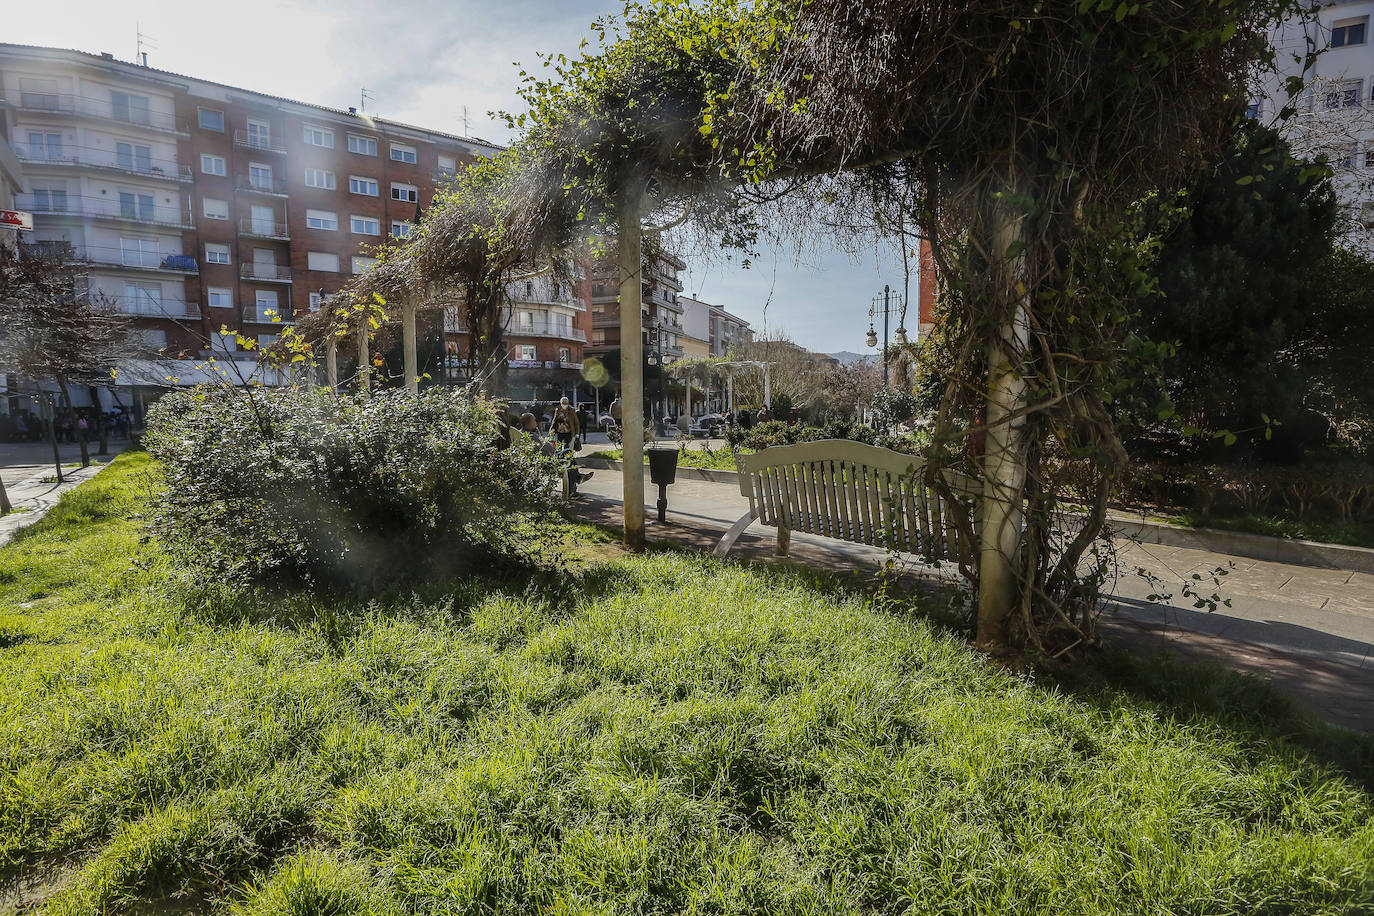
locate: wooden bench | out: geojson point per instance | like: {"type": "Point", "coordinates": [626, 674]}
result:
{"type": "Point", "coordinates": [848, 491]}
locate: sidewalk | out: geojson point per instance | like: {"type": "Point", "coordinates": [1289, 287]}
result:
{"type": "Point", "coordinates": [1309, 631]}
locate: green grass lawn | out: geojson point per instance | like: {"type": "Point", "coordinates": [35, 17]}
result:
{"type": "Point", "coordinates": [1326, 530]}
{"type": "Point", "coordinates": [716, 459]}
{"type": "Point", "coordinates": [665, 734]}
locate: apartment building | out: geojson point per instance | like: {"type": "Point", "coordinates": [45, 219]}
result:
{"type": "Point", "coordinates": [1335, 113]}
{"type": "Point", "coordinates": [545, 334]}
{"type": "Point", "coordinates": [727, 331]}
{"type": "Point", "coordinates": [198, 206]}
{"type": "Point", "coordinates": [660, 312]}
{"type": "Point", "coordinates": [696, 327]}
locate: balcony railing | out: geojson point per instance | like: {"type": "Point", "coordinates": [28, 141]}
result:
{"type": "Point", "coordinates": [86, 157]}
{"type": "Point", "coordinates": [270, 273]}
{"type": "Point", "coordinates": [270, 315]}
{"type": "Point", "coordinates": [445, 174]}
{"type": "Point", "coordinates": [105, 109]}
{"type": "Point", "coordinates": [117, 258]}
{"type": "Point", "coordinates": [256, 141]}
{"type": "Point", "coordinates": [103, 208]}
{"type": "Point", "coordinates": [252, 185]}
{"type": "Point", "coordinates": [537, 329]}
{"type": "Point", "coordinates": [150, 308]}
{"type": "Point", "coordinates": [263, 229]}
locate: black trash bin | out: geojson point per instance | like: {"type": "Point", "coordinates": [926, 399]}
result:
{"type": "Point", "coordinates": [662, 472]}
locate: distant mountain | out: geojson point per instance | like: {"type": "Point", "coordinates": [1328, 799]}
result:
{"type": "Point", "coordinates": [847, 358]}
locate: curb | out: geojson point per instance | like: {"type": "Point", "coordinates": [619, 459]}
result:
{"type": "Point", "coordinates": [1233, 543]}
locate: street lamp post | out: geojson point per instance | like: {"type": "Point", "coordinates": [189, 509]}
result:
{"type": "Point", "coordinates": [655, 358]}
{"type": "Point", "coordinates": [889, 304]}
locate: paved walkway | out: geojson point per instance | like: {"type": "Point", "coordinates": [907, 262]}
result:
{"type": "Point", "coordinates": [30, 480]}
{"type": "Point", "coordinates": [1310, 631]}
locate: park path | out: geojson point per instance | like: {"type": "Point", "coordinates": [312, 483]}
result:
{"type": "Point", "coordinates": [1309, 631]}
{"type": "Point", "coordinates": [30, 481]}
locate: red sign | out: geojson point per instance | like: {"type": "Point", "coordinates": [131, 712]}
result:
{"type": "Point", "coordinates": [17, 219]}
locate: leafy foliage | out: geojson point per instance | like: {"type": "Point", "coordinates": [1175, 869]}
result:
{"type": "Point", "coordinates": [288, 486]}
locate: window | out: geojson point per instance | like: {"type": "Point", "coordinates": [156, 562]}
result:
{"type": "Point", "coordinates": [320, 178]}
{"type": "Point", "coordinates": [401, 229]}
{"type": "Point", "coordinates": [260, 176]}
{"type": "Point", "coordinates": [319, 136]}
{"type": "Point", "coordinates": [366, 146]}
{"type": "Point", "coordinates": [527, 352]}
{"type": "Point", "coordinates": [45, 146]}
{"type": "Point", "coordinates": [598, 337]}
{"type": "Point", "coordinates": [402, 153]}
{"type": "Point", "coordinates": [126, 106]}
{"type": "Point", "coordinates": [150, 339]}
{"type": "Point", "coordinates": [139, 252]}
{"type": "Point", "coordinates": [265, 305]}
{"type": "Point", "coordinates": [134, 158]}
{"type": "Point", "coordinates": [322, 260]}
{"type": "Point", "coordinates": [406, 192]}
{"type": "Point", "coordinates": [525, 320]}
{"type": "Point", "coordinates": [143, 298]}
{"type": "Point", "coordinates": [135, 206]}
{"type": "Point", "coordinates": [321, 219]}
{"type": "Point", "coordinates": [209, 119]}
{"type": "Point", "coordinates": [211, 165]}
{"type": "Point", "coordinates": [358, 185]}
{"type": "Point", "coordinates": [50, 199]}
{"type": "Point", "coordinates": [448, 164]}
{"type": "Point", "coordinates": [316, 299]}
{"type": "Point", "coordinates": [265, 341]}
{"type": "Point", "coordinates": [221, 297]}
{"type": "Point", "coordinates": [564, 355]}
{"type": "Point", "coordinates": [39, 93]}
{"type": "Point", "coordinates": [1346, 32]}
{"type": "Point", "coordinates": [365, 225]}
{"type": "Point", "coordinates": [215, 209]}
{"type": "Point", "coordinates": [225, 343]}
{"type": "Point", "coordinates": [1343, 94]}
{"type": "Point", "coordinates": [259, 134]}
{"type": "Point", "coordinates": [1343, 157]}
{"type": "Point", "coordinates": [216, 254]}
{"type": "Point", "coordinates": [362, 264]}
{"type": "Point", "coordinates": [1254, 109]}
{"type": "Point", "coordinates": [1369, 158]}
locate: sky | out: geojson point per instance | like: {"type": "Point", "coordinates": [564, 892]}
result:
{"type": "Point", "coordinates": [424, 62]}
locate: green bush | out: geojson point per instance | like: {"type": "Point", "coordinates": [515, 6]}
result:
{"type": "Point", "coordinates": [776, 432]}
{"type": "Point", "coordinates": [303, 487]}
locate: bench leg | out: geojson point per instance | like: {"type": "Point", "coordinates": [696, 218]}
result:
{"type": "Point", "coordinates": [784, 540]}
{"type": "Point", "coordinates": [733, 534]}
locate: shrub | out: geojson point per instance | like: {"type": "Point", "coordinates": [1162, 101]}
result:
{"type": "Point", "coordinates": [297, 486]}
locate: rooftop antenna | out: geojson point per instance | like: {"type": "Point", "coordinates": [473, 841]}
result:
{"type": "Point", "coordinates": [144, 41]}
{"type": "Point", "coordinates": [465, 122]}
{"type": "Point", "coordinates": [364, 97]}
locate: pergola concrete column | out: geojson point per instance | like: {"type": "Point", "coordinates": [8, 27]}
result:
{"type": "Point", "coordinates": [331, 363]}
{"type": "Point", "coordinates": [364, 361]}
{"type": "Point", "coordinates": [630, 238]}
{"type": "Point", "coordinates": [412, 363]}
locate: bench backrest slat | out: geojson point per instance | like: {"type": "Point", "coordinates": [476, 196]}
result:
{"type": "Point", "coordinates": [853, 492]}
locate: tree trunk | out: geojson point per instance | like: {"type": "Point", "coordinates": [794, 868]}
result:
{"type": "Point", "coordinates": [363, 359]}
{"type": "Point", "coordinates": [331, 363]}
{"type": "Point", "coordinates": [412, 363]}
{"type": "Point", "coordinates": [101, 427]}
{"type": "Point", "coordinates": [71, 415]}
{"type": "Point", "coordinates": [629, 241]}
{"type": "Point", "coordinates": [52, 437]}
{"type": "Point", "coordinates": [6, 507]}
{"type": "Point", "coordinates": [1004, 460]}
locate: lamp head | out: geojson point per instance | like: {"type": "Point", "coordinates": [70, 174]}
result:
{"type": "Point", "coordinates": [872, 340]}
{"type": "Point", "coordinates": [900, 337]}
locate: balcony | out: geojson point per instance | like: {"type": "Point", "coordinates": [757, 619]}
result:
{"type": "Point", "coordinates": [263, 229]}
{"type": "Point", "coordinates": [276, 187]}
{"type": "Point", "coordinates": [243, 138]}
{"type": "Point", "coordinates": [118, 259]}
{"type": "Point", "coordinates": [65, 105]}
{"type": "Point", "coordinates": [445, 174]}
{"type": "Point", "coordinates": [537, 329]}
{"type": "Point", "coordinates": [266, 273]}
{"type": "Point", "coordinates": [95, 159]}
{"type": "Point", "coordinates": [103, 209]}
{"type": "Point", "coordinates": [149, 307]}
{"type": "Point", "coordinates": [260, 314]}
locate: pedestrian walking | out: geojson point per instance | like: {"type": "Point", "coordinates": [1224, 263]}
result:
{"type": "Point", "coordinates": [565, 424]}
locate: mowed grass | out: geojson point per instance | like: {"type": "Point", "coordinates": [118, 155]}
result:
{"type": "Point", "coordinates": [663, 734]}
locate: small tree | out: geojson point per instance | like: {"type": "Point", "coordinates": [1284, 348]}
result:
{"type": "Point", "coordinates": [52, 327]}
